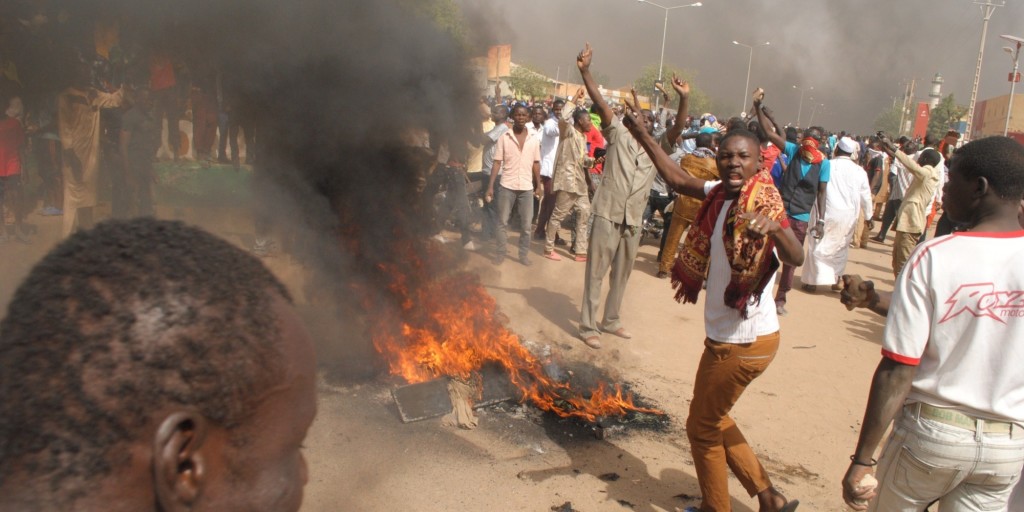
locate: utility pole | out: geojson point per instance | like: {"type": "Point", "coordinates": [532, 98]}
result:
{"type": "Point", "coordinates": [987, 8]}
{"type": "Point", "coordinates": [908, 101]}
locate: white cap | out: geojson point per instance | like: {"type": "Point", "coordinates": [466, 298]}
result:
{"type": "Point", "coordinates": [848, 145]}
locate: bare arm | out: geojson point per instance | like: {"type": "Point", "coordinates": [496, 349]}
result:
{"type": "Point", "coordinates": [764, 119]}
{"type": "Point", "coordinates": [683, 90]}
{"type": "Point", "coordinates": [495, 169]}
{"type": "Point", "coordinates": [674, 176]}
{"type": "Point", "coordinates": [603, 110]}
{"type": "Point", "coordinates": [858, 293]}
{"type": "Point", "coordinates": [889, 389]}
{"type": "Point", "coordinates": [774, 134]}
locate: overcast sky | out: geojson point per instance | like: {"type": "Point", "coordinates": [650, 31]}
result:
{"type": "Point", "coordinates": [855, 53]}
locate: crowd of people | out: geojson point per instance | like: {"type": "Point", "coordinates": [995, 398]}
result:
{"type": "Point", "coordinates": [748, 199]}
{"type": "Point", "coordinates": [753, 197]}
{"type": "Point", "coordinates": [89, 109]}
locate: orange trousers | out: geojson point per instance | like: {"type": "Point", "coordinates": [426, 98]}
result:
{"type": "Point", "coordinates": [716, 442]}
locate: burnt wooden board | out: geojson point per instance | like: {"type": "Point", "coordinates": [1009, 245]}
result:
{"type": "Point", "coordinates": [430, 399]}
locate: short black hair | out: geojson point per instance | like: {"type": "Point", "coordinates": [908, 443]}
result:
{"type": "Point", "coordinates": [929, 157]}
{"type": "Point", "coordinates": [579, 114]}
{"type": "Point", "coordinates": [735, 123]}
{"type": "Point", "coordinates": [792, 134]}
{"type": "Point", "coordinates": [704, 140]}
{"type": "Point", "coordinates": [1000, 160]}
{"type": "Point", "coordinates": [520, 106]}
{"type": "Point", "coordinates": [558, 102]}
{"type": "Point", "coordinates": [119, 321]}
{"type": "Point", "coordinates": [746, 134]}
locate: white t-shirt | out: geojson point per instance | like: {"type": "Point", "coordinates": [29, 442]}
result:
{"type": "Point", "coordinates": [723, 323]}
{"type": "Point", "coordinates": [957, 313]}
{"type": "Point", "coordinates": [548, 145]}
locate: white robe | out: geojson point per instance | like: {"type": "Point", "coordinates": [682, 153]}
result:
{"type": "Point", "coordinates": [847, 194]}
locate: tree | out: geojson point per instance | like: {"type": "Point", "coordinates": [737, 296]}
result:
{"type": "Point", "coordinates": [527, 82]}
{"type": "Point", "coordinates": [888, 121]}
{"type": "Point", "coordinates": [944, 115]}
{"type": "Point", "coordinates": [699, 101]}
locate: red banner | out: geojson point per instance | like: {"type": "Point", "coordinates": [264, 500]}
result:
{"type": "Point", "coordinates": [921, 120]}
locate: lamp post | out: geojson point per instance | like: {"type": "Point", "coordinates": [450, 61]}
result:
{"type": "Point", "coordinates": [664, 33]}
{"type": "Point", "coordinates": [750, 61]}
{"type": "Point", "coordinates": [987, 8]}
{"type": "Point", "coordinates": [814, 110]}
{"type": "Point", "coordinates": [800, 109]}
{"type": "Point", "coordinates": [1015, 53]}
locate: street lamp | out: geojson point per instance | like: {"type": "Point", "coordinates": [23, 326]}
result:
{"type": "Point", "coordinates": [750, 60]}
{"type": "Point", "coordinates": [814, 110]}
{"type": "Point", "coordinates": [800, 110]}
{"type": "Point", "coordinates": [987, 8]}
{"type": "Point", "coordinates": [1015, 53]}
{"type": "Point", "coordinates": [664, 33]}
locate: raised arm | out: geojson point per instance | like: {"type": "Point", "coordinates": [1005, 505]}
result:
{"type": "Point", "coordinates": [603, 110]}
{"type": "Point", "coordinates": [764, 119]}
{"type": "Point", "coordinates": [683, 90]}
{"type": "Point", "coordinates": [566, 120]}
{"type": "Point", "coordinates": [674, 176]}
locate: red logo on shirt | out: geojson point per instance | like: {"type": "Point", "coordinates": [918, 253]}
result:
{"type": "Point", "coordinates": [982, 300]}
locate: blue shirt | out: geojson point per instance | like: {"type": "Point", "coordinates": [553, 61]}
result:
{"type": "Point", "coordinates": [823, 176]}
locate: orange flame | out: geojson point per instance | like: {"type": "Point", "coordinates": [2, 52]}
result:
{"type": "Point", "coordinates": [448, 326]}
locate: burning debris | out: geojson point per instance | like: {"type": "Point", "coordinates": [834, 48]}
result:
{"type": "Point", "coordinates": [447, 325]}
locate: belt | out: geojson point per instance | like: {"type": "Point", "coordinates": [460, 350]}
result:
{"type": "Point", "coordinates": [958, 419]}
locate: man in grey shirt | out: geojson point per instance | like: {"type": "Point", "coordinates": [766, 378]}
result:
{"type": "Point", "coordinates": [499, 114]}
{"type": "Point", "coordinates": [617, 211]}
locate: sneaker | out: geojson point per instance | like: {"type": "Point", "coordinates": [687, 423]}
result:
{"type": "Point", "coordinates": [553, 256]}
{"type": "Point", "coordinates": [581, 258]}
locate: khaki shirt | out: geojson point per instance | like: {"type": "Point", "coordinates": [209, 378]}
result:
{"type": "Point", "coordinates": [626, 181]}
{"type": "Point", "coordinates": [571, 160]}
{"type": "Point", "coordinates": [917, 199]}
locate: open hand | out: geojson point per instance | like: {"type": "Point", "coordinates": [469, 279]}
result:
{"type": "Point", "coordinates": [681, 87]}
{"type": "Point", "coordinates": [584, 57]}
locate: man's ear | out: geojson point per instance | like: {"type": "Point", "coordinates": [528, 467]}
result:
{"type": "Point", "coordinates": [179, 468]}
{"type": "Point", "coordinates": [981, 187]}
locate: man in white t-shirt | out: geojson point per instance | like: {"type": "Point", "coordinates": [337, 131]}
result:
{"type": "Point", "coordinates": [549, 136]}
{"type": "Point", "coordinates": [730, 244]}
{"type": "Point", "coordinates": [951, 375]}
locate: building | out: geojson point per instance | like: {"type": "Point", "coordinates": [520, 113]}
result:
{"type": "Point", "coordinates": [990, 117]}
{"type": "Point", "coordinates": [936, 93]}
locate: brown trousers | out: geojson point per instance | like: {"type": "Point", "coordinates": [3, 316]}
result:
{"type": "Point", "coordinates": [902, 246]}
{"type": "Point", "coordinates": [716, 442]}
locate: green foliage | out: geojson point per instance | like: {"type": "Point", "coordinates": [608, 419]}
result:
{"type": "Point", "coordinates": [699, 100]}
{"type": "Point", "coordinates": [526, 82]}
{"type": "Point", "coordinates": [888, 121]}
{"type": "Point", "coordinates": [944, 115]}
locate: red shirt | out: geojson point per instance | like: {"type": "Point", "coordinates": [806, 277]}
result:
{"type": "Point", "coordinates": [12, 137]}
{"type": "Point", "coordinates": [770, 154]}
{"type": "Point", "coordinates": [595, 141]}
{"type": "Point", "coordinates": [161, 73]}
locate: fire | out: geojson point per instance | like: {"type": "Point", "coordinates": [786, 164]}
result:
{"type": "Point", "coordinates": [448, 325]}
